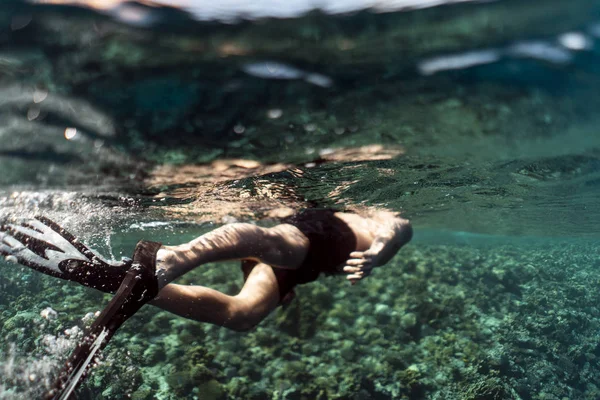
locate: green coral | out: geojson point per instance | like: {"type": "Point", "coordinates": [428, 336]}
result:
{"type": "Point", "coordinates": [488, 389]}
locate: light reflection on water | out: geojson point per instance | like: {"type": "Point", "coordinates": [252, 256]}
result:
{"type": "Point", "coordinates": [560, 51]}
{"type": "Point", "coordinates": [232, 10]}
{"type": "Point", "coordinates": [486, 122]}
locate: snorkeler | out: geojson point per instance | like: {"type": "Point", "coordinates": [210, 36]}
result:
{"type": "Point", "coordinates": [273, 260]}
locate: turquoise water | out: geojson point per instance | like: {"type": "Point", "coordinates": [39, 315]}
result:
{"type": "Point", "coordinates": [477, 120]}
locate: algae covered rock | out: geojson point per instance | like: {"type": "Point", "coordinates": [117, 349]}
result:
{"type": "Point", "coordinates": [211, 390]}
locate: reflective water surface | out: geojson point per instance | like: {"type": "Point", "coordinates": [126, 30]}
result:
{"type": "Point", "coordinates": [477, 120]}
{"type": "Point", "coordinates": [494, 118]}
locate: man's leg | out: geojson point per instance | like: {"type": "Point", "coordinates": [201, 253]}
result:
{"type": "Point", "coordinates": [258, 297]}
{"type": "Point", "coordinates": [282, 246]}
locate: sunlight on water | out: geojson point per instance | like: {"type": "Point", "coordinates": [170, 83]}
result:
{"type": "Point", "coordinates": [231, 10]}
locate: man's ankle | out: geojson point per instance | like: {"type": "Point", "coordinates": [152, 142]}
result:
{"type": "Point", "coordinates": [164, 262]}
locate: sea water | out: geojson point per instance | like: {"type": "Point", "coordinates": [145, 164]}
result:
{"type": "Point", "coordinates": [478, 121]}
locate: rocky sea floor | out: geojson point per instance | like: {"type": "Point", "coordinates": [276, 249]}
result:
{"type": "Point", "coordinates": [495, 320]}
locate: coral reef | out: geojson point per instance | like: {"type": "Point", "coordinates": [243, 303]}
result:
{"type": "Point", "coordinates": [497, 320]}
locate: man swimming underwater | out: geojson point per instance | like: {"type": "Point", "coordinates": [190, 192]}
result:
{"type": "Point", "coordinates": [273, 260]}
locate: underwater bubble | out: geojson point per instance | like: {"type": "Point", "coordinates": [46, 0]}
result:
{"type": "Point", "coordinates": [33, 113]}
{"type": "Point", "coordinates": [541, 51]}
{"type": "Point", "coordinates": [274, 113]}
{"type": "Point", "coordinates": [89, 317]}
{"type": "Point", "coordinates": [19, 22]}
{"type": "Point", "coordinates": [457, 61]}
{"type": "Point", "coordinates": [73, 331]}
{"type": "Point", "coordinates": [575, 41]}
{"type": "Point", "coordinates": [319, 80]}
{"type": "Point", "coordinates": [339, 131]}
{"type": "Point", "coordinates": [272, 70]}
{"type": "Point", "coordinates": [310, 127]}
{"type": "Point", "coordinates": [39, 95]}
{"type": "Point", "coordinates": [152, 224]}
{"type": "Point", "coordinates": [70, 133]}
{"type": "Point", "coordinates": [239, 129]}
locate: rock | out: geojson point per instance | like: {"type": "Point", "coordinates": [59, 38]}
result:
{"type": "Point", "coordinates": [49, 314]}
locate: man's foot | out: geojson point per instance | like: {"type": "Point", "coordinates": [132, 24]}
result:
{"type": "Point", "coordinates": [45, 246]}
{"type": "Point", "coordinates": [387, 243]}
{"type": "Point", "coordinates": [361, 264]}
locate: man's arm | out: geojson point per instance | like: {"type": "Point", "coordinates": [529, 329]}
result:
{"type": "Point", "coordinates": [388, 241]}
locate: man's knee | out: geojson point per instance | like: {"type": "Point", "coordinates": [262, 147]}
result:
{"type": "Point", "coordinates": [242, 320]}
{"type": "Point", "coordinates": [241, 326]}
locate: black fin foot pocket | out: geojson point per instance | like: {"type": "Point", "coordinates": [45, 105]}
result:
{"type": "Point", "coordinates": [144, 258]}
{"type": "Point", "coordinates": [139, 286]}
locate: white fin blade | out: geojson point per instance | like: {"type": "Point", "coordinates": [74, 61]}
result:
{"type": "Point", "coordinates": [13, 243]}
{"type": "Point", "coordinates": [59, 241]}
{"type": "Point", "coordinates": [4, 248]}
{"type": "Point", "coordinates": [43, 233]}
{"type": "Point", "coordinates": [59, 248]}
{"type": "Point", "coordinates": [56, 257]}
{"type": "Point", "coordinates": [55, 238]}
{"type": "Point", "coordinates": [30, 257]}
{"type": "Point", "coordinates": [28, 231]}
{"type": "Point", "coordinates": [26, 256]}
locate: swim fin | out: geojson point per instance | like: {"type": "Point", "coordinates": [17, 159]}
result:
{"type": "Point", "coordinates": [139, 287]}
{"type": "Point", "coordinates": [45, 246]}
